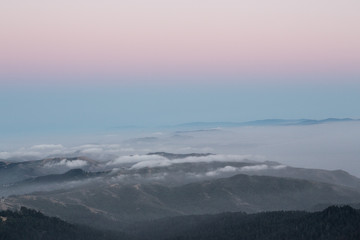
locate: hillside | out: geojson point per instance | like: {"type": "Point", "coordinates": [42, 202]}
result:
{"type": "Point", "coordinates": [32, 225]}
{"type": "Point", "coordinates": [334, 223]}
{"type": "Point", "coordinates": [112, 205]}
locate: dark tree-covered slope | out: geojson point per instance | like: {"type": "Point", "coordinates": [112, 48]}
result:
{"type": "Point", "coordinates": [33, 225]}
{"type": "Point", "coordinates": [334, 223]}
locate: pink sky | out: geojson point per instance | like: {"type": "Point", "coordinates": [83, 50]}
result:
{"type": "Point", "coordinates": [42, 37]}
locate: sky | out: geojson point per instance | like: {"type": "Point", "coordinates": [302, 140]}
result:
{"type": "Point", "coordinates": [124, 41]}
{"type": "Point", "coordinates": [80, 66]}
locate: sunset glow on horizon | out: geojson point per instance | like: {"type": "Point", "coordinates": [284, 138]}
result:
{"type": "Point", "coordinates": [173, 38]}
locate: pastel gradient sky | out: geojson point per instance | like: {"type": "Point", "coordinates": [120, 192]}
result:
{"type": "Point", "coordinates": [91, 64]}
{"type": "Point", "coordinates": [126, 41]}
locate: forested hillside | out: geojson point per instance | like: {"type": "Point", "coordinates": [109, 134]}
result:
{"type": "Point", "coordinates": [334, 223]}
{"type": "Point", "coordinates": [32, 225]}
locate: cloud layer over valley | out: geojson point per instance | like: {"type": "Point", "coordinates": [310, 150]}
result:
{"type": "Point", "coordinates": [327, 146]}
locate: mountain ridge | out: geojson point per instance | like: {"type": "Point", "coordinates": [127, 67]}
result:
{"type": "Point", "coordinates": [111, 205]}
{"type": "Point", "coordinates": [267, 122]}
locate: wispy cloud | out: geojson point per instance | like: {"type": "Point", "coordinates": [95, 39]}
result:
{"type": "Point", "coordinates": [246, 169]}
{"type": "Point", "coordinates": [150, 161]}
{"type": "Point", "coordinates": [255, 168]}
{"type": "Point", "coordinates": [67, 163]}
{"type": "Point", "coordinates": [47, 147]}
{"type": "Point", "coordinates": [218, 171]}
{"type": "Point", "coordinates": [326, 146]}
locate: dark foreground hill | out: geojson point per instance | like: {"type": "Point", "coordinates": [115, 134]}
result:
{"type": "Point", "coordinates": [334, 223]}
{"type": "Point", "coordinates": [33, 225]}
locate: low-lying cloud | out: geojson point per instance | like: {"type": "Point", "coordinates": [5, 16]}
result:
{"type": "Point", "coordinates": [67, 163]}
{"type": "Point", "coordinates": [100, 152]}
{"type": "Point", "coordinates": [47, 147]}
{"type": "Point", "coordinates": [151, 161]}
{"type": "Point", "coordinates": [218, 171]}
{"type": "Point", "coordinates": [255, 168]}
{"type": "Point", "coordinates": [325, 146]}
{"type": "Point", "coordinates": [246, 169]}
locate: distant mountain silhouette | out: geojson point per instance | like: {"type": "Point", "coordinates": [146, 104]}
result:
{"type": "Point", "coordinates": [71, 175]}
{"type": "Point", "coordinates": [265, 122]}
{"type": "Point", "coordinates": [11, 172]}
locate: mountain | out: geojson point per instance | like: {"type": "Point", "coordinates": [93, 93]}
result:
{"type": "Point", "coordinates": [69, 179]}
{"type": "Point", "coordinates": [11, 172]}
{"type": "Point", "coordinates": [218, 167]}
{"type": "Point", "coordinates": [338, 177]}
{"type": "Point", "coordinates": [169, 168]}
{"type": "Point", "coordinates": [265, 122]}
{"type": "Point", "coordinates": [71, 175]}
{"type": "Point", "coordinates": [108, 205]}
{"type": "Point", "coordinates": [333, 223]}
{"type": "Point", "coordinates": [160, 184]}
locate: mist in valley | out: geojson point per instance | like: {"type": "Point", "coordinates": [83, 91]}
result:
{"type": "Point", "coordinates": [326, 146]}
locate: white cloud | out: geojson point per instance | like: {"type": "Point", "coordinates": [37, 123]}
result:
{"type": "Point", "coordinates": [93, 150]}
{"type": "Point", "coordinates": [82, 147]}
{"type": "Point", "coordinates": [67, 163]}
{"type": "Point", "coordinates": [102, 152]}
{"type": "Point", "coordinates": [47, 147]}
{"type": "Point", "coordinates": [33, 152]}
{"type": "Point", "coordinates": [255, 168]}
{"type": "Point", "coordinates": [218, 158]}
{"type": "Point", "coordinates": [152, 164]}
{"type": "Point", "coordinates": [193, 149]}
{"type": "Point", "coordinates": [143, 161]}
{"type": "Point", "coordinates": [328, 146]}
{"type": "Point", "coordinates": [5, 155]}
{"type": "Point", "coordinates": [136, 159]}
{"type": "Point", "coordinates": [76, 163]}
{"type": "Point", "coordinates": [279, 167]}
{"type": "Point", "coordinates": [219, 171]}
{"type": "Point", "coordinates": [21, 153]}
